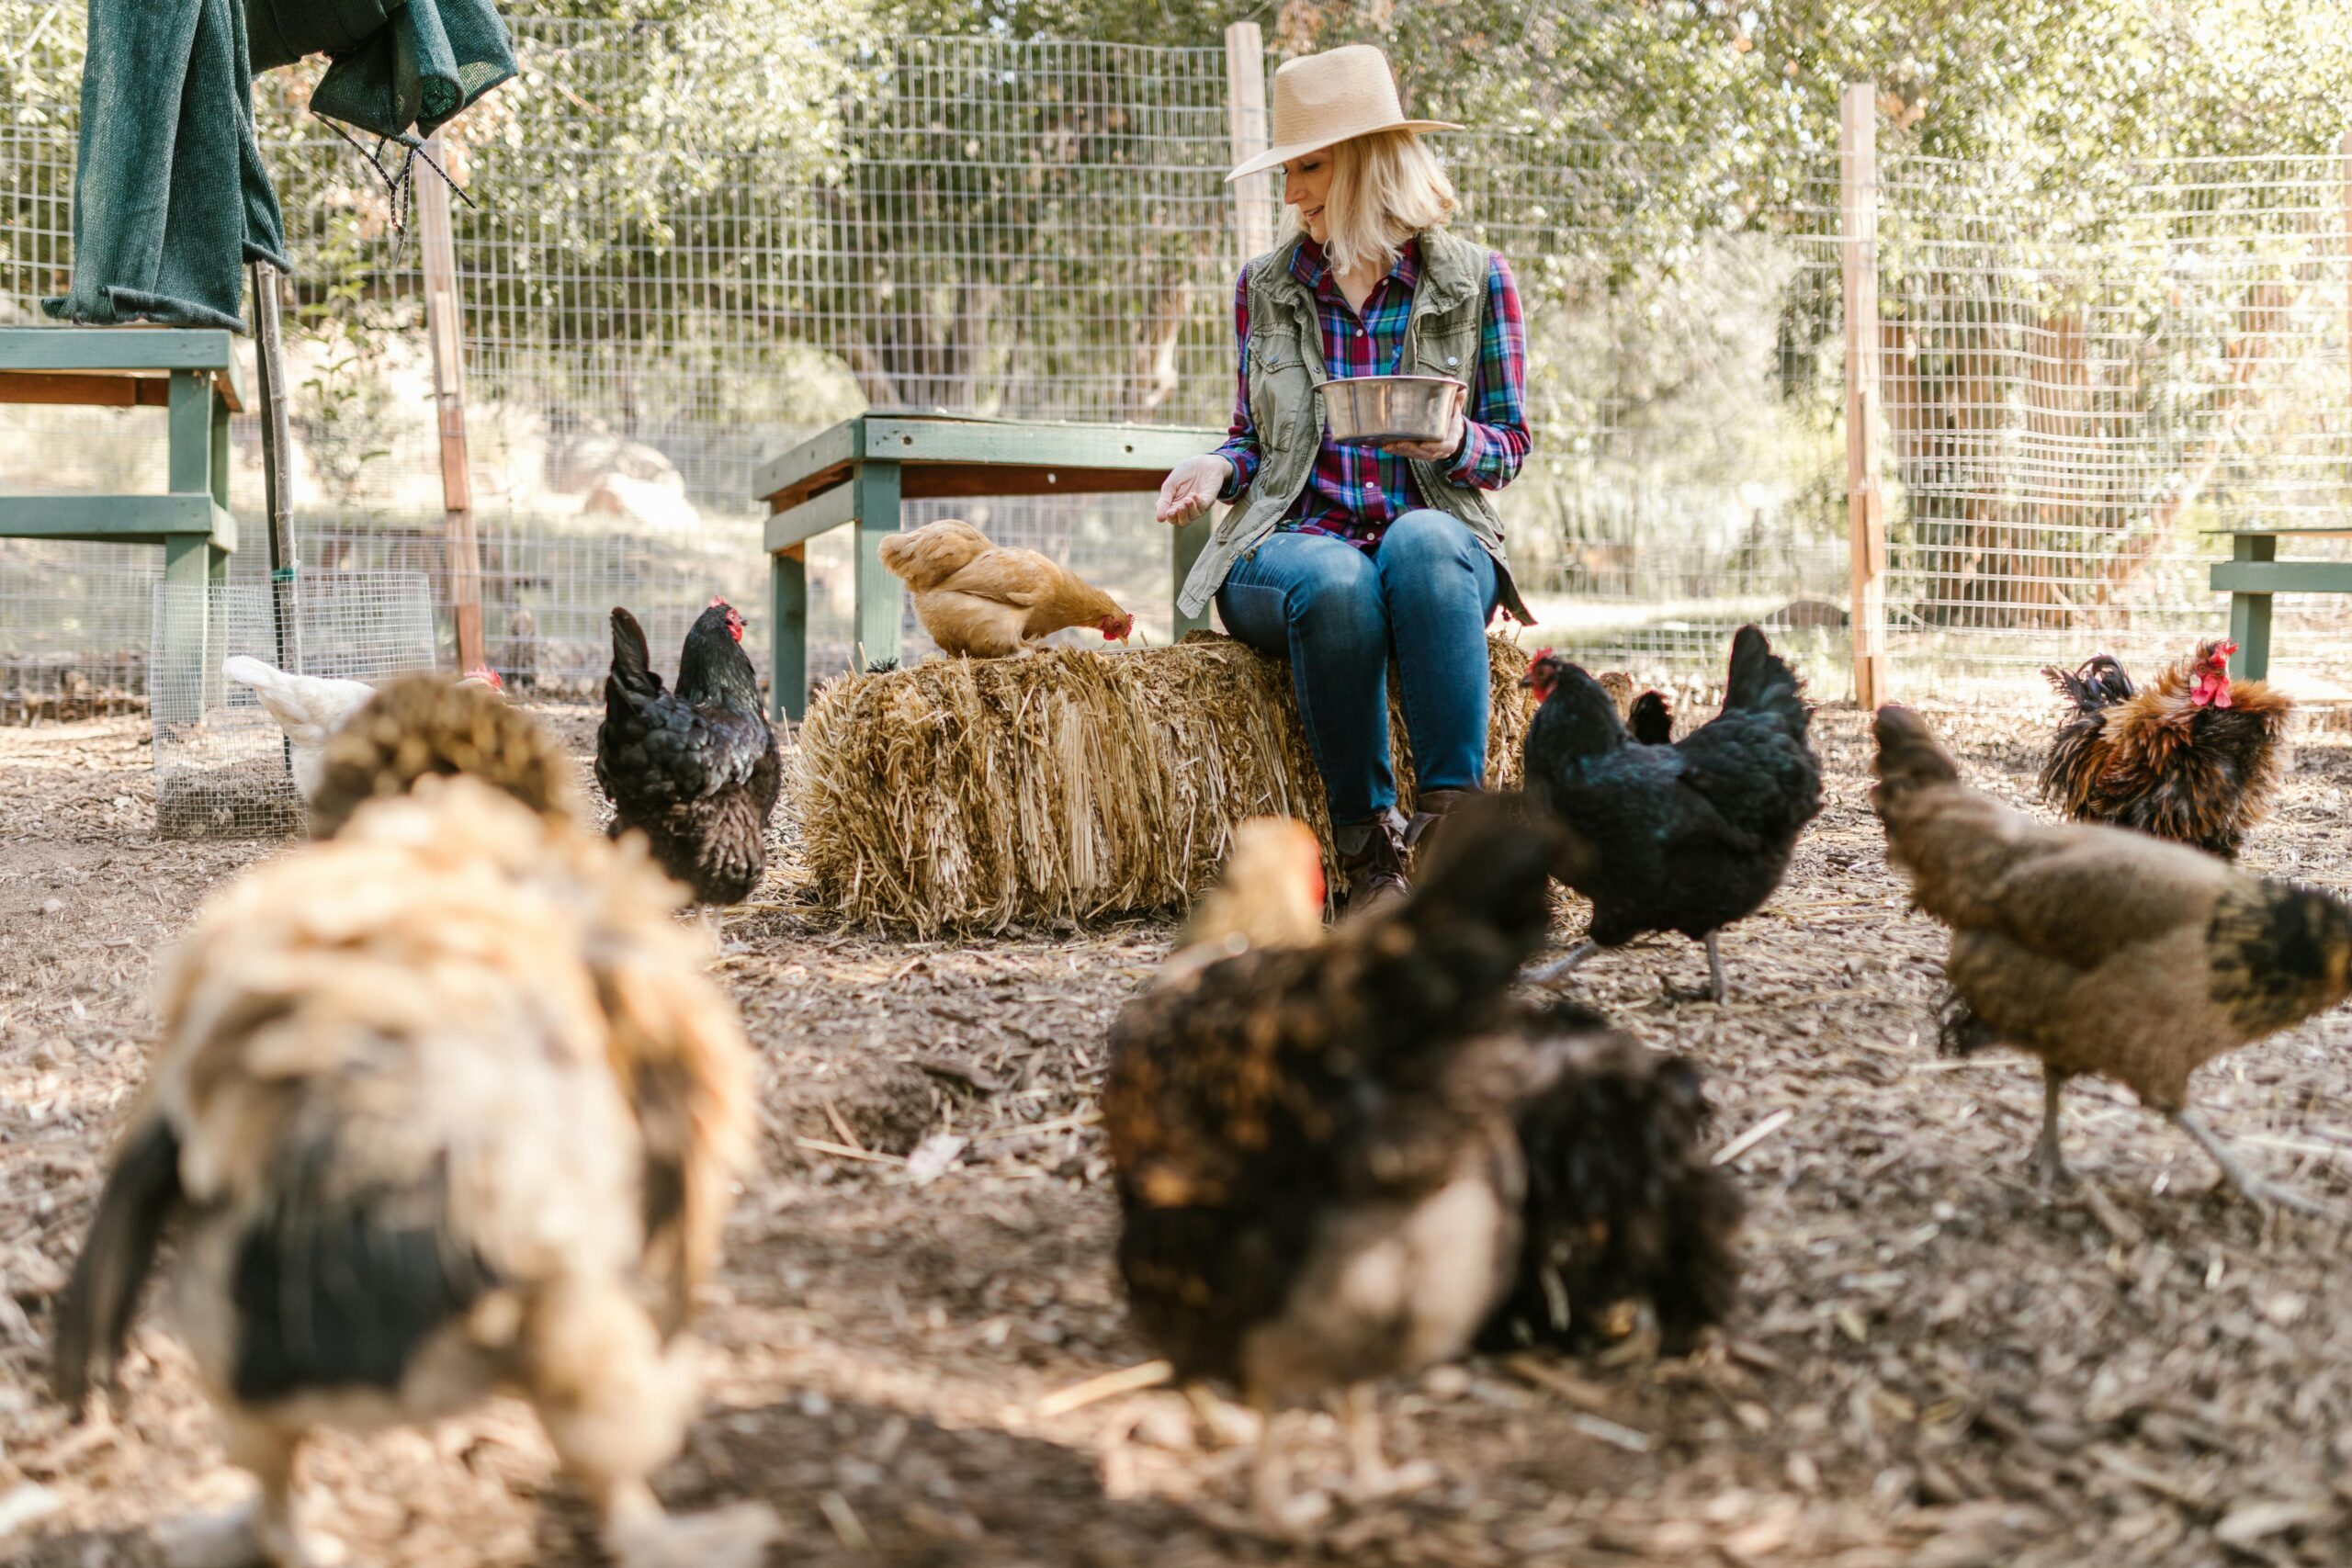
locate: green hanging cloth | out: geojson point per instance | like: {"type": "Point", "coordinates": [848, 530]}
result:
{"type": "Point", "coordinates": [170, 197]}
{"type": "Point", "coordinates": [401, 70]}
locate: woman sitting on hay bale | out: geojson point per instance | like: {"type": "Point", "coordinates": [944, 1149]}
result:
{"type": "Point", "coordinates": [1339, 556]}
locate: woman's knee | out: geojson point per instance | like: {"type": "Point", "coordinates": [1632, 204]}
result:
{"type": "Point", "coordinates": [1425, 536]}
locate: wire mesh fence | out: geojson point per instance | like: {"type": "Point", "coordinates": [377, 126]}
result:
{"type": "Point", "coordinates": [224, 765]}
{"type": "Point", "coordinates": [682, 252]}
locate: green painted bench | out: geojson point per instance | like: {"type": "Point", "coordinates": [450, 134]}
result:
{"type": "Point", "coordinates": [856, 475]}
{"type": "Point", "coordinates": [187, 371]}
{"type": "Point", "coordinates": [2253, 573]}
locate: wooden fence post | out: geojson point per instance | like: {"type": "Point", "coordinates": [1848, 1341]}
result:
{"type": "Point", "coordinates": [1865, 505]}
{"type": "Point", "coordinates": [443, 319]}
{"type": "Point", "coordinates": [2344, 155]}
{"type": "Point", "coordinates": [1245, 98]}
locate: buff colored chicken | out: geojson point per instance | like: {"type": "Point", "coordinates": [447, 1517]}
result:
{"type": "Point", "coordinates": [444, 1106]}
{"type": "Point", "coordinates": [1272, 895]}
{"type": "Point", "coordinates": [417, 727]}
{"type": "Point", "coordinates": [988, 600]}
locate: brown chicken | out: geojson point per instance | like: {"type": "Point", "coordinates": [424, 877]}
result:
{"type": "Point", "coordinates": [423, 725]}
{"type": "Point", "coordinates": [2102, 950]}
{"type": "Point", "coordinates": [988, 600]}
{"type": "Point", "coordinates": [2196, 757]}
{"type": "Point", "coordinates": [1323, 1145]}
{"type": "Point", "coordinates": [1272, 895]}
{"type": "Point", "coordinates": [445, 1105]}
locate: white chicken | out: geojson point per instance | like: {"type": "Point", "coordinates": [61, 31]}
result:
{"type": "Point", "coordinates": [310, 708]}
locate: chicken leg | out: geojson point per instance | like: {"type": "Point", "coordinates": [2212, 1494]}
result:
{"type": "Point", "coordinates": [1371, 1474]}
{"type": "Point", "coordinates": [262, 1531]}
{"type": "Point", "coordinates": [1274, 1508]}
{"type": "Point", "coordinates": [2260, 1192]}
{"type": "Point", "coordinates": [1553, 970]}
{"type": "Point", "coordinates": [1720, 990]}
{"type": "Point", "coordinates": [2049, 1165]}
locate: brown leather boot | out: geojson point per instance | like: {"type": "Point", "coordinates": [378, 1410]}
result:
{"type": "Point", "coordinates": [1371, 858]}
{"type": "Point", "coordinates": [1428, 811]}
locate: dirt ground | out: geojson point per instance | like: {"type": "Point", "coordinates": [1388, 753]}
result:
{"type": "Point", "coordinates": [1931, 1365]}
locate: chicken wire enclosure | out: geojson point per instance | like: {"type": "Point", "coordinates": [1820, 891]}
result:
{"type": "Point", "coordinates": [682, 249]}
{"type": "Point", "coordinates": [2087, 374]}
{"type": "Point", "coordinates": [222, 769]}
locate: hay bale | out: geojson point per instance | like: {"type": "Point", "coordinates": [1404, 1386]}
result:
{"type": "Point", "coordinates": [975, 795]}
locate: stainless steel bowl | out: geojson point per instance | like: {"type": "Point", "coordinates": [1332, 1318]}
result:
{"type": "Point", "coordinates": [1376, 411]}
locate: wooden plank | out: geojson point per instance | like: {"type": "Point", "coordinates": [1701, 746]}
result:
{"type": "Point", "coordinates": [102, 389]}
{"type": "Point", "coordinates": [115, 519]}
{"type": "Point", "coordinates": [436, 246]}
{"type": "Point", "coordinates": [1154, 448]}
{"type": "Point", "coordinates": [2278, 533]}
{"type": "Point", "coordinates": [115, 348]}
{"type": "Point", "coordinates": [1865, 501]}
{"type": "Point", "coordinates": [2250, 612]}
{"type": "Point", "coordinates": [879, 601]}
{"type": "Point", "coordinates": [822, 514]}
{"type": "Point", "coordinates": [1190, 540]}
{"type": "Point", "coordinates": [798, 472]}
{"type": "Point", "coordinates": [931, 482]}
{"type": "Point", "coordinates": [190, 464]}
{"type": "Point", "coordinates": [1249, 130]}
{"type": "Point", "coordinates": [789, 624]}
{"type": "Point", "coordinates": [2282, 577]}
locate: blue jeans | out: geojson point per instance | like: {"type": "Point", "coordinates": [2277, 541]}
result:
{"type": "Point", "coordinates": [1338, 613]}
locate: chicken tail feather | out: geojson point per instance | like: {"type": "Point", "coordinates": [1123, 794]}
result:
{"type": "Point", "coordinates": [1623, 1204]}
{"type": "Point", "coordinates": [1489, 891]}
{"type": "Point", "coordinates": [1761, 682]}
{"type": "Point", "coordinates": [94, 1316]}
{"type": "Point", "coordinates": [1908, 757]}
{"type": "Point", "coordinates": [632, 660]}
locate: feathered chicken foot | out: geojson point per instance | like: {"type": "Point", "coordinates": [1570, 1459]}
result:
{"type": "Point", "coordinates": [1553, 970]}
{"type": "Point", "coordinates": [1372, 1476]}
{"type": "Point", "coordinates": [639, 1533]}
{"type": "Point", "coordinates": [1274, 1509]}
{"type": "Point", "coordinates": [2256, 1190]}
{"type": "Point", "coordinates": [262, 1531]}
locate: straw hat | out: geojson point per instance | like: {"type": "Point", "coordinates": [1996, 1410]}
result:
{"type": "Point", "coordinates": [1320, 99]}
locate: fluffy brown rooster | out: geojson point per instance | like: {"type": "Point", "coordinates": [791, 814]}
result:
{"type": "Point", "coordinates": [423, 725]}
{"type": "Point", "coordinates": [2102, 950]}
{"type": "Point", "coordinates": [696, 770]}
{"type": "Point", "coordinates": [1322, 1149]}
{"type": "Point", "coordinates": [445, 1105]}
{"type": "Point", "coordinates": [988, 600]}
{"type": "Point", "coordinates": [2195, 757]}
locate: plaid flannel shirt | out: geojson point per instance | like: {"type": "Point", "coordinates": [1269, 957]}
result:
{"type": "Point", "coordinates": [1355, 492]}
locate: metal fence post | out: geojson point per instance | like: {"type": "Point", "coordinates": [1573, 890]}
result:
{"type": "Point", "coordinates": [1865, 501]}
{"type": "Point", "coordinates": [442, 319]}
{"type": "Point", "coordinates": [1245, 82]}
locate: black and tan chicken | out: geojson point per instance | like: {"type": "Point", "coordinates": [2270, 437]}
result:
{"type": "Point", "coordinates": [445, 1105]}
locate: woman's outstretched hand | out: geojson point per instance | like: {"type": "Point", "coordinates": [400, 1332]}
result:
{"type": "Point", "coordinates": [1191, 486]}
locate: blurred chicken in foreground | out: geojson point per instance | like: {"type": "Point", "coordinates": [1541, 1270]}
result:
{"type": "Point", "coordinates": [1272, 895]}
{"type": "Point", "coordinates": [416, 727]}
{"type": "Point", "coordinates": [310, 708]}
{"type": "Point", "coordinates": [988, 600]}
{"type": "Point", "coordinates": [2196, 757]}
{"type": "Point", "coordinates": [1322, 1146]}
{"type": "Point", "coordinates": [442, 1106]}
{"type": "Point", "coordinates": [2102, 950]}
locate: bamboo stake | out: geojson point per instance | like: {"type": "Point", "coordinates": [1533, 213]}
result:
{"type": "Point", "coordinates": [1245, 86]}
{"type": "Point", "coordinates": [442, 320]}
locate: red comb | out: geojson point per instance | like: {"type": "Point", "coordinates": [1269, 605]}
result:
{"type": "Point", "coordinates": [717, 600]}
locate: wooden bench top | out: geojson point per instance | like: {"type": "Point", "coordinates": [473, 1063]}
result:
{"type": "Point", "coordinates": [128, 366]}
{"type": "Point", "coordinates": [953, 455]}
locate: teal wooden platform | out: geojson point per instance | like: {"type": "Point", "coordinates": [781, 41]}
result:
{"type": "Point", "coordinates": [187, 372]}
{"type": "Point", "coordinates": [856, 474]}
{"type": "Point", "coordinates": [2253, 573]}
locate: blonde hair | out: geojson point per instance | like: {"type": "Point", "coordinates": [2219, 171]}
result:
{"type": "Point", "coordinates": [1385, 188]}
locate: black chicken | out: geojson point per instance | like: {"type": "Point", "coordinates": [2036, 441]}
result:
{"type": "Point", "coordinates": [1651, 721]}
{"type": "Point", "coordinates": [694, 769]}
{"type": "Point", "coordinates": [1687, 837]}
{"type": "Point", "coordinates": [1318, 1154]}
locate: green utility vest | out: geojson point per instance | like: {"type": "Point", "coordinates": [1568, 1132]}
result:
{"type": "Point", "coordinates": [1286, 375]}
